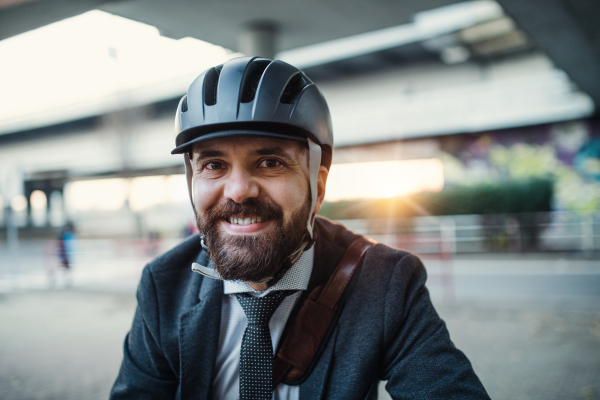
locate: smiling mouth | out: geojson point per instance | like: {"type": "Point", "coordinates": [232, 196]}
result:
{"type": "Point", "coordinates": [246, 220]}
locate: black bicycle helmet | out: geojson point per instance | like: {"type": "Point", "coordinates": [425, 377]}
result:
{"type": "Point", "coordinates": [250, 96]}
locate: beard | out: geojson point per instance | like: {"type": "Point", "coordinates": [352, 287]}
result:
{"type": "Point", "coordinates": [256, 257]}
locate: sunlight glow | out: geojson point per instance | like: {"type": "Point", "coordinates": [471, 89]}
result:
{"type": "Point", "coordinates": [177, 191]}
{"type": "Point", "coordinates": [18, 203]}
{"type": "Point", "coordinates": [110, 194]}
{"type": "Point", "coordinates": [383, 179]}
{"type": "Point", "coordinates": [39, 208]}
{"type": "Point", "coordinates": [147, 191]}
{"type": "Point", "coordinates": [101, 194]}
{"type": "Point", "coordinates": [346, 181]}
{"type": "Point", "coordinates": [90, 64]}
{"type": "Point", "coordinates": [38, 200]}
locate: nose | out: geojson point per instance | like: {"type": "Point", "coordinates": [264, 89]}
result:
{"type": "Point", "coordinates": [240, 186]}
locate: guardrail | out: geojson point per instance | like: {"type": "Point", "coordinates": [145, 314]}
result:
{"type": "Point", "coordinates": [539, 232]}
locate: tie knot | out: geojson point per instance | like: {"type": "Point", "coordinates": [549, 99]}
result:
{"type": "Point", "coordinates": [259, 310]}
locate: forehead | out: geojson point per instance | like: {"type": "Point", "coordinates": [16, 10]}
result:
{"type": "Point", "coordinates": [243, 145]}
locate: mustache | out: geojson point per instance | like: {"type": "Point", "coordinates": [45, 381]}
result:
{"type": "Point", "coordinates": [251, 206]}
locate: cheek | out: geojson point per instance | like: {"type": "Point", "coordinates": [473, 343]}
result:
{"type": "Point", "coordinates": [289, 194]}
{"type": "Point", "coordinates": [206, 194]}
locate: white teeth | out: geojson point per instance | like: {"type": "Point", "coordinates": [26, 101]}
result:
{"type": "Point", "coordinates": [244, 221]}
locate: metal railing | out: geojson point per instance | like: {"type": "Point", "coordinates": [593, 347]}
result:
{"type": "Point", "coordinates": [539, 232]}
{"type": "Point", "coordinates": [35, 263]}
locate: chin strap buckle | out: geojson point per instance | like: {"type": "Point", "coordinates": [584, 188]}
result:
{"type": "Point", "coordinates": [204, 258]}
{"type": "Point", "coordinates": [206, 271]}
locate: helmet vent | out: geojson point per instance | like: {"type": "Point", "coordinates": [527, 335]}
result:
{"type": "Point", "coordinates": [293, 88]}
{"type": "Point", "coordinates": [210, 85]}
{"type": "Point", "coordinates": [252, 78]}
{"type": "Point", "coordinates": [184, 106]}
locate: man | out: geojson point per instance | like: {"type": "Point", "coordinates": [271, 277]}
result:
{"type": "Point", "coordinates": [257, 143]}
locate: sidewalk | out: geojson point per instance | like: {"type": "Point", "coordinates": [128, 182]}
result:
{"type": "Point", "coordinates": [61, 344]}
{"type": "Point", "coordinates": [530, 351]}
{"type": "Point", "coordinates": [67, 344]}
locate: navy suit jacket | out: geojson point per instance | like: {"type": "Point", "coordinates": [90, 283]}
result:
{"type": "Point", "coordinates": [387, 330]}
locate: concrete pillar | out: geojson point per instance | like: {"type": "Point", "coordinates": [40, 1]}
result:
{"type": "Point", "coordinates": [258, 38]}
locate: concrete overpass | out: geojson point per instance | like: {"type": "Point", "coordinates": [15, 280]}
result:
{"type": "Point", "coordinates": [567, 30]}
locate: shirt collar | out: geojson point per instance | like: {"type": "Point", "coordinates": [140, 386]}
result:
{"type": "Point", "coordinates": [295, 279]}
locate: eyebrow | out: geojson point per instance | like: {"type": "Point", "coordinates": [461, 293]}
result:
{"type": "Point", "coordinates": [272, 151]}
{"type": "Point", "coordinates": [266, 151]}
{"type": "Point", "coordinates": [209, 153]}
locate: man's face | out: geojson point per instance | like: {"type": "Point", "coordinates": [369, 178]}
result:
{"type": "Point", "coordinates": [252, 203]}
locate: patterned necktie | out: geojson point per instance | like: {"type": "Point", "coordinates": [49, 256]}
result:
{"type": "Point", "coordinates": [256, 356]}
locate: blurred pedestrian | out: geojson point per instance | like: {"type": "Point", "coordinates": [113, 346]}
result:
{"type": "Point", "coordinates": [65, 250]}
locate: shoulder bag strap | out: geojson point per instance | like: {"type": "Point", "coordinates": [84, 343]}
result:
{"type": "Point", "coordinates": [302, 342]}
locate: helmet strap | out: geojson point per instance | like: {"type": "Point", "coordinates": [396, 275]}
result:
{"type": "Point", "coordinates": [314, 163]}
{"type": "Point", "coordinates": [187, 160]}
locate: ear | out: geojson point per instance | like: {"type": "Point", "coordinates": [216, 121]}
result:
{"type": "Point", "coordinates": [321, 183]}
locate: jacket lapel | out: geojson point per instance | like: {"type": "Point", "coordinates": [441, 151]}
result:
{"type": "Point", "coordinates": [328, 253]}
{"type": "Point", "coordinates": [314, 387]}
{"type": "Point", "coordinates": [199, 341]}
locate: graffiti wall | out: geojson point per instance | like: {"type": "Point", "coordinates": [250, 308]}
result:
{"type": "Point", "coordinates": [566, 153]}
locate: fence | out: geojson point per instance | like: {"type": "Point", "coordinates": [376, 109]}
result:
{"type": "Point", "coordinates": [539, 232]}
{"type": "Point", "coordinates": [35, 263]}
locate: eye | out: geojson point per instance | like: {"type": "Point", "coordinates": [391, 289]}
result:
{"type": "Point", "coordinates": [213, 165]}
{"type": "Point", "coordinates": [270, 163]}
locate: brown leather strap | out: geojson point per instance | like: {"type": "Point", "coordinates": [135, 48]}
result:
{"type": "Point", "coordinates": [318, 310]}
{"type": "Point", "coordinates": [343, 273]}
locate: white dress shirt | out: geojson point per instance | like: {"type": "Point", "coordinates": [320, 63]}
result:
{"type": "Point", "coordinates": [226, 385]}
